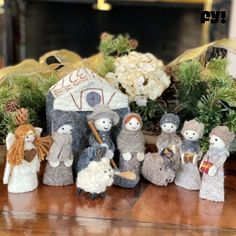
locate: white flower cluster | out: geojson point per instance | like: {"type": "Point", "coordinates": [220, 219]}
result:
{"type": "Point", "coordinates": [141, 75]}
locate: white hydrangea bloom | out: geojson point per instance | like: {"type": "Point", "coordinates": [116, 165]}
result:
{"type": "Point", "coordinates": [141, 75]}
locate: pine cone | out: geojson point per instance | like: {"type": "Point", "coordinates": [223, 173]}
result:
{"type": "Point", "coordinates": [105, 36]}
{"type": "Point", "coordinates": [168, 70]}
{"type": "Point", "coordinates": [22, 116]}
{"type": "Point", "coordinates": [133, 43]}
{"type": "Point", "coordinates": [11, 106]}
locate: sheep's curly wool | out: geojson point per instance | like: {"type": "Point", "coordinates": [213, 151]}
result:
{"type": "Point", "coordinates": [89, 154]}
{"type": "Point", "coordinates": [96, 177]}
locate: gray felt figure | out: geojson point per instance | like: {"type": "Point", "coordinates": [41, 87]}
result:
{"type": "Point", "coordinates": [131, 145]}
{"type": "Point", "coordinates": [88, 155]}
{"type": "Point", "coordinates": [188, 176]}
{"type": "Point", "coordinates": [58, 170]}
{"type": "Point", "coordinates": [160, 168]}
{"type": "Point", "coordinates": [104, 118]}
{"type": "Point", "coordinates": [212, 186]}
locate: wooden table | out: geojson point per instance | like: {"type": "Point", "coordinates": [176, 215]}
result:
{"type": "Point", "coordinates": [145, 210]}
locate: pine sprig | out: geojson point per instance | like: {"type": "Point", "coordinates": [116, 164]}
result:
{"type": "Point", "coordinates": [114, 46]}
{"type": "Point", "coordinates": [28, 93]}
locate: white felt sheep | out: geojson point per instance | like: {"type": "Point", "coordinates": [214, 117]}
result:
{"type": "Point", "coordinates": [95, 178]}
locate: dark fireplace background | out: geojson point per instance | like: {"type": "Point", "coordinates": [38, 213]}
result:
{"type": "Point", "coordinates": [163, 29]}
{"type": "Point", "coordinates": [166, 32]}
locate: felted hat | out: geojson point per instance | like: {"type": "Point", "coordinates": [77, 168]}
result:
{"type": "Point", "coordinates": [224, 133]}
{"type": "Point", "coordinates": [193, 125]}
{"type": "Point", "coordinates": [61, 118]}
{"type": "Point", "coordinates": [103, 111]}
{"type": "Point", "coordinates": [170, 118]}
{"type": "Point", "coordinates": [129, 116]}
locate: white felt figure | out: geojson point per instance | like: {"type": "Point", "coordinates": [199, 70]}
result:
{"type": "Point", "coordinates": [188, 176]}
{"type": "Point", "coordinates": [212, 186]}
{"type": "Point", "coordinates": [25, 150]}
{"type": "Point", "coordinates": [131, 145]}
{"type": "Point", "coordinates": [58, 171]}
{"type": "Point", "coordinates": [95, 178]}
{"type": "Point", "coordinates": [104, 119]}
{"type": "Point", "coordinates": [160, 168]}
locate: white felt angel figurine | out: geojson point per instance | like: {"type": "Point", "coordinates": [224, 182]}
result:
{"type": "Point", "coordinates": [25, 150]}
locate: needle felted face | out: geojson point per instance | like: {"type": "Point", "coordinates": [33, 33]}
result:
{"type": "Point", "coordinates": [191, 135]}
{"type": "Point", "coordinates": [133, 125]}
{"type": "Point", "coordinates": [103, 124]}
{"type": "Point", "coordinates": [168, 127]}
{"type": "Point", "coordinates": [30, 137]}
{"type": "Point", "coordinates": [65, 129]}
{"type": "Point", "coordinates": [216, 142]}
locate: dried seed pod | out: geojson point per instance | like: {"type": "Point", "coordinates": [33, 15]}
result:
{"type": "Point", "coordinates": [11, 106]}
{"type": "Point", "coordinates": [22, 116]}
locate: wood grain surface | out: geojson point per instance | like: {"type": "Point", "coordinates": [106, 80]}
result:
{"type": "Point", "coordinates": [144, 210]}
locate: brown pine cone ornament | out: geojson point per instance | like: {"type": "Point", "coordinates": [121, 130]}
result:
{"type": "Point", "coordinates": [22, 116]}
{"type": "Point", "coordinates": [133, 43]}
{"type": "Point", "coordinates": [11, 106]}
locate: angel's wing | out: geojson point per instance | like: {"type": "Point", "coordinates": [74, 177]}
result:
{"type": "Point", "coordinates": [38, 130]}
{"type": "Point", "coordinates": [10, 139]}
{"type": "Point", "coordinates": [7, 173]}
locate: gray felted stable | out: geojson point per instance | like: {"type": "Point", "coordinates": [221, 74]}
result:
{"type": "Point", "coordinates": [74, 96]}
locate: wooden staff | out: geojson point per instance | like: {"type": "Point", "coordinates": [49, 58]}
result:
{"type": "Point", "coordinates": [99, 140]}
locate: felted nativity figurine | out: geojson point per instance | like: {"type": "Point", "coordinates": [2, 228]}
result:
{"type": "Point", "coordinates": [212, 186]}
{"type": "Point", "coordinates": [25, 150]}
{"type": "Point", "coordinates": [131, 145]}
{"type": "Point", "coordinates": [95, 178]}
{"type": "Point", "coordinates": [58, 170]}
{"type": "Point", "coordinates": [103, 119]}
{"type": "Point", "coordinates": [90, 154]}
{"type": "Point", "coordinates": [160, 168]}
{"type": "Point", "coordinates": [188, 176]}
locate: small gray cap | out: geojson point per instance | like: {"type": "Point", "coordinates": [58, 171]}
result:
{"type": "Point", "coordinates": [61, 118]}
{"type": "Point", "coordinates": [103, 111]}
{"type": "Point", "coordinates": [170, 118]}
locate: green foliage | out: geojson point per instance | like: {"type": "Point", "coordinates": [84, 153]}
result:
{"type": "Point", "coordinates": [150, 113]}
{"type": "Point", "coordinates": [114, 46]}
{"type": "Point", "coordinates": [205, 93]}
{"type": "Point", "coordinates": [108, 65]}
{"type": "Point", "coordinates": [209, 112]}
{"type": "Point", "coordinates": [231, 120]}
{"type": "Point", "coordinates": [28, 93]}
{"type": "Point", "coordinates": [190, 88]}
{"type": "Point", "coordinates": [211, 98]}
